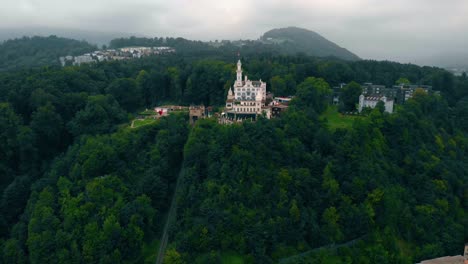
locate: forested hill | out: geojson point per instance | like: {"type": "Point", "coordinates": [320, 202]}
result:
{"type": "Point", "coordinates": [292, 40]}
{"type": "Point", "coordinates": [78, 185]}
{"type": "Point", "coordinates": [28, 52]}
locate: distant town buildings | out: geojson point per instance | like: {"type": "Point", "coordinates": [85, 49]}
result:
{"type": "Point", "coordinates": [114, 54]}
{"type": "Point", "coordinates": [374, 93]}
{"type": "Point", "coordinates": [405, 92]}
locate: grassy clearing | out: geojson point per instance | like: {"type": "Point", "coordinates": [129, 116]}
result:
{"type": "Point", "coordinates": [338, 120]}
{"type": "Point", "coordinates": [148, 112]}
{"type": "Point", "coordinates": [142, 122]}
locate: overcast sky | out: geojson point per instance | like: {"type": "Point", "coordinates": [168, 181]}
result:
{"type": "Point", "coordinates": [401, 30]}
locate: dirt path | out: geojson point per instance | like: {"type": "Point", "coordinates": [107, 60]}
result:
{"type": "Point", "coordinates": [171, 217]}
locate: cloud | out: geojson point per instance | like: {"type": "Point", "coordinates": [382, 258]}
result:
{"type": "Point", "coordinates": [397, 29]}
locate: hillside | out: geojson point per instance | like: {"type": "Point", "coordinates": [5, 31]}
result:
{"type": "Point", "coordinates": [293, 40]}
{"type": "Point", "coordinates": [36, 51]}
{"type": "Point", "coordinates": [79, 185]}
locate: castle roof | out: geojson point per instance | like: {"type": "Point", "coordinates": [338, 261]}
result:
{"type": "Point", "coordinates": [377, 98]}
{"type": "Point", "coordinates": [256, 83]}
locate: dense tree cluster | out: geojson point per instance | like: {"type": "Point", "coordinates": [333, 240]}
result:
{"type": "Point", "coordinates": [98, 202]}
{"type": "Point", "coordinates": [36, 51]}
{"type": "Point", "coordinates": [273, 189]}
{"type": "Point", "coordinates": [77, 185]}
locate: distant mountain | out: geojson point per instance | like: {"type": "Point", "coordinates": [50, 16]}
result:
{"type": "Point", "coordinates": [293, 40]}
{"type": "Point", "coordinates": [29, 52]}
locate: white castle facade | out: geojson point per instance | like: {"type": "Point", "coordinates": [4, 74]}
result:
{"type": "Point", "coordinates": [246, 99]}
{"type": "Point", "coordinates": [372, 101]}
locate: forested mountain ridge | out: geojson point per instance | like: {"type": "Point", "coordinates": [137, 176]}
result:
{"type": "Point", "coordinates": [27, 52]}
{"type": "Point", "coordinates": [293, 39]}
{"type": "Point", "coordinates": [79, 186]}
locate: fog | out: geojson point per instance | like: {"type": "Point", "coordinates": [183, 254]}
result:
{"type": "Point", "coordinates": [400, 30]}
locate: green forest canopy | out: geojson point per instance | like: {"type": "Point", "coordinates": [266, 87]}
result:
{"type": "Point", "coordinates": [79, 186]}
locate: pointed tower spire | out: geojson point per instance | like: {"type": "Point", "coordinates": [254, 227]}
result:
{"type": "Point", "coordinates": [230, 95]}
{"type": "Point", "coordinates": [239, 72]}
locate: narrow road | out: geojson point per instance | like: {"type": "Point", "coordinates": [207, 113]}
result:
{"type": "Point", "coordinates": [171, 217]}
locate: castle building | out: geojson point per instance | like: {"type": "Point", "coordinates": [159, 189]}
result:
{"type": "Point", "coordinates": [371, 101]}
{"type": "Point", "coordinates": [246, 99]}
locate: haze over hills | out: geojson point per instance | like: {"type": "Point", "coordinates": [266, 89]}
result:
{"type": "Point", "coordinates": [289, 40]}
{"type": "Point", "coordinates": [93, 37]}
{"type": "Point", "coordinates": [27, 52]}
{"type": "Point", "coordinates": [31, 52]}
{"type": "Point", "coordinates": [294, 39]}
{"type": "Point", "coordinates": [457, 63]}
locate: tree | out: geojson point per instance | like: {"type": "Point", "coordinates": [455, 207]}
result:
{"type": "Point", "coordinates": [402, 81]}
{"type": "Point", "coordinates": [145, 85]}
{"type": "Point", "coordinates": [10, 125]}
{"type": "Point", "coordinates": [100, 115]}
{"type": "Point", "coordinates": [13, 252]}
{"type": "Point", "coordinates": [294, 212]}
{"type": "Point", "coordinates": [312, 94]}
{"type": "Point", "coordinates": [48, 128]}
{"type": "Point", "coordinates": [127, 93]}
{"type": "Point", "coordinates": [173, 257]}
{"type": "Point", "coordinates": [278, 86]}
{"type": "Point", "coordinates": [380, 106]}
{"type": "Point", "coordinates": [461, 111]}
{"type": "Point", "coordinates": [332, 229]}
{"type": "Point", "coordinates": [349, 96]}
{"type": "Point", "coordinates": [42, 228]}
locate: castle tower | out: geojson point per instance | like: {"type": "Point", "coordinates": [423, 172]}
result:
{"type": "Point", "coordinates": [258, 102]}
{"type": "Point", "coordinates": [239, 73]}
{"type": "Point", "coordinates": [361, 102]}
{"type": "Point", "coordinates": [230, 95]}
{"type": "Point", "coordinates": [230, 99]}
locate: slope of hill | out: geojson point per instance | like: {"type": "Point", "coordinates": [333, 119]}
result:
{"type": "Point", "coordinates": [78, 185]}
{"type": "Point", "coordinates": [293, 40]}
{"type": "Point", "coordinates": [36, 51]}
